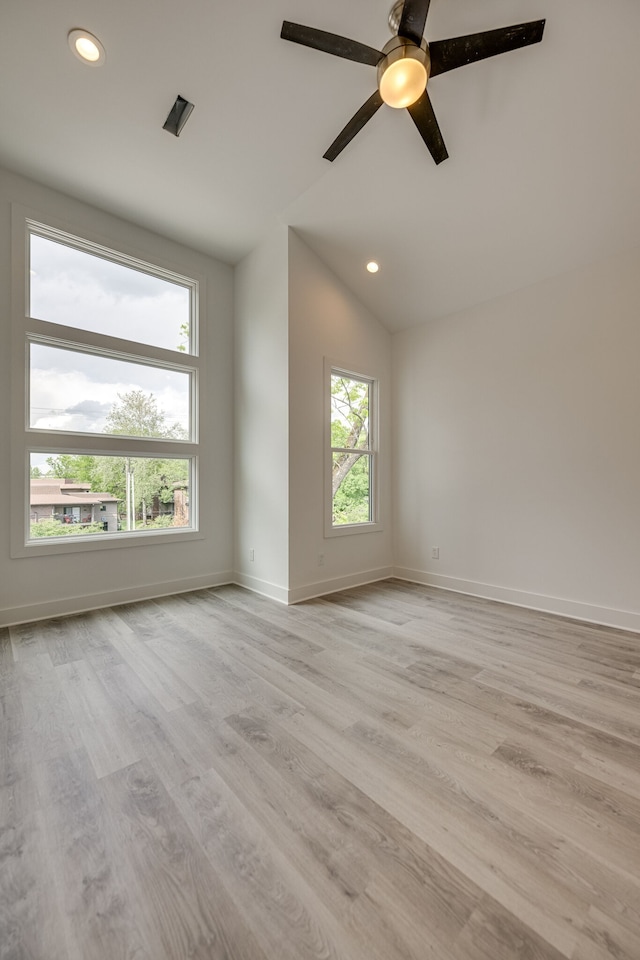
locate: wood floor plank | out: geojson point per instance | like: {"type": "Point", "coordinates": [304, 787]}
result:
{"type": "Point", "coordinates": [606, 938]}
{"type": "Point", "coordinates": [158, 678]}
{"type": "Point", "coordinates": [61, 640]}
{"type": "Point", "coordinates": [191, 663]}
{"type": "Point", "coordinates": [625, 775]}
{"type": "Point", "coordinates": [31, 923]}
{"type": "Point", "coordinates": [312, 841]}
{"type": "Point", "coordinates": [92, 881]}
{"type": "Point", "coordinates": [282, 911]}
{"type": "Point", "coordinates": [86, 636]}
{"type": "Point", "coordinates": [538, 801]}
{"type": "Point", "coordinates": [392, 772]}
{"type": "Point", "coordinates": [522, 716]}
{"type": "Point", "coordinates": [398, 869]}
{"type": "Point", "coordinates": [301, 689]}
{"type": "Point", "coordinates": [49, 723]}
{"type": "Point", "coordinates": [288, 642]}
{"type": "Point", "coordinates": [487, 853]}
{"type": "Point", "coordinates": [7, 661]}
{"type": "Point", "coordinates": [492, 932]}
{"type": "Point", "coordinates": [377, 691]}
{"type": "Point", "coordinates": [28, 640]}
{"type": "Point", "coordinates": [101, 727]}
{"type": "Point", "coordinates": [623, 723]}
{"type": "Point", "coordinates": [182, 903]}
{"type": "Point", "coordinates": [14, 763]}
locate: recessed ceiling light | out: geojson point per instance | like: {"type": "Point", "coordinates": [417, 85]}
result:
{"type": "Point", "coordinates": [372, 266]}
{"type": "Point", "coordinates": [86, 47]}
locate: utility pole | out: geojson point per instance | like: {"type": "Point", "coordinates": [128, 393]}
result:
{"type": "Point", "coordinates": [130, 494]}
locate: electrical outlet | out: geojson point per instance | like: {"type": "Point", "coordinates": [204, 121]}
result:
{"type": "Point", "coordinates": [435, 553]}
{"type": "Point", "coordinates": [321, 559]}
{"type": "Point", "coordinates": [252, 554]}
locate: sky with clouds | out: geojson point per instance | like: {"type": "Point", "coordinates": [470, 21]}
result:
{"type": "Point", "coordinates": [72, 390]}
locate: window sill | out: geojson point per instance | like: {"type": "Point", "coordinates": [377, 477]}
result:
{"type": "Point", "coordinates": [349, 529]}
{"type": "Point", "coordinates": [123, 540]}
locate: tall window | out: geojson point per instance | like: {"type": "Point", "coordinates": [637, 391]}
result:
{"type": "Point", "coordinates": [111, 394]}
{"type": "Point", "coordinates": [353, 427]}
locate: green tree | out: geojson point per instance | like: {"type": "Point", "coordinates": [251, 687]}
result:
{"type": "Point", "coordinates": [69, 466]}
{"type": "Point", "coordinates": [136, 414]}
{"type": "Point", "coordinates": [350, 479]}
{"type": "Point", "coordinates": [184, 337]}
{"type": "Point", "coordinates": [138, 481]}
{"type": "Point", "coordinates": [53, 528]}
{"type": "Point", "coordinates": [351, 499]}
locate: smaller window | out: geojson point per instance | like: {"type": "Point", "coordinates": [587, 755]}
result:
{"type": "Point", "coordinates": [353, 503]}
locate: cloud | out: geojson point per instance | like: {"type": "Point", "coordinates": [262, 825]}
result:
{"type": "Point", "coordinates": [67, 396]}
{"type": "Point", "coordinates": [90, 408]}
{"type": "Point", "coordinates": [74, 391]}
{"type": "Point", "coordinates": [72, 287]}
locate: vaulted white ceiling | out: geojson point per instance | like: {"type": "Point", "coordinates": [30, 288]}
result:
{"type": "Point", "coordinates": [544, 142]}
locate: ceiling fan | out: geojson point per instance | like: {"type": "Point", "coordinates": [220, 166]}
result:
{"type": "Point", "coordinates": [406, 63]}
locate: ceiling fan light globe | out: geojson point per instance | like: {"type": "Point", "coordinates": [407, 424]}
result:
{"type": "Point", "coordinates": [403, 82]}
{"type": "Point", "coordinates": [403, 72]}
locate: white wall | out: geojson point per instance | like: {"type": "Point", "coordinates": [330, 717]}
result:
{"type": "Point", "coordinates": [326, 320]}
{"type": "Point", "coordinates": [290, 312]}
{"type": "Point", "coordinates": [515, 438]}
{"type": "Point", "coordinates": [39, 586]}
{"type": "Point", "coordinates": [517, 446]}
{"type": "Point", "coordinates": [261, 481]}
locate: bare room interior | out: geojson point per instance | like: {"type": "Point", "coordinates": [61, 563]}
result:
{"type": "Point", "coordinates": [320, 451]}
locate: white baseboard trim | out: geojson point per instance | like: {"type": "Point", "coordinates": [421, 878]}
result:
{"type": "Point", "coordinates": [576, 610]}
{"type": "Point", "coordinates": [322, 587]}
{"type": "Point", "coordinates": [310, 590]}
{"type": "Point", "coordinates": [70, 605]}
{"type": "Point", "coordinates": [263, 587]}
{"type": "Point", "coordinates": [590, 613]}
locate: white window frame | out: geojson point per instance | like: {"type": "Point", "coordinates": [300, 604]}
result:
{"type": "Point", "coordinates": [332, 367]}
{"type": "Point", "coordinates": [27, 440]}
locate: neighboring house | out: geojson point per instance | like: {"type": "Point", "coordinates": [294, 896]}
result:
{"type": "Point", "coordinates": [180, 506]}
{"type": "Point", "coordinates": [71, 502]}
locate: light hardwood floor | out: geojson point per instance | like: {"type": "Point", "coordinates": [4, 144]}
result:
{"type": "Point", "coordinates": [388, 773]}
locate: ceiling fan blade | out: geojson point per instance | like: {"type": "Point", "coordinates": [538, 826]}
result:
{"type": "Point", "coordinates": [330, 43]}
{"type": "Point", "coordinates": [354, 126]}
{"type": "Point", "coordinates": [413, 19]}
{"type": "Point", "coordinates": [457, 52]}
{"type": "Point", "coordinates": [425, 120]}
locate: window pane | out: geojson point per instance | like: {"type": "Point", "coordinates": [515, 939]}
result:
{"type": "Point", "coordinates": [78, 289]}
{"type": "Point", "coordinates": [351, 486]}
{"type": "Point", "coordinates": [350, 400]}
{"type": "Point", "coordinates": [80, 495]}
{"type": "Point", "coordinates": [86, 393]}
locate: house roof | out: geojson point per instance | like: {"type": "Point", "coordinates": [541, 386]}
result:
{"type": "Point", "coordinates": [45, 491]}
{"type": "Point", "coordinates": [42, 500]}
{"type": "Point", "coordinates": [544, 152]}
